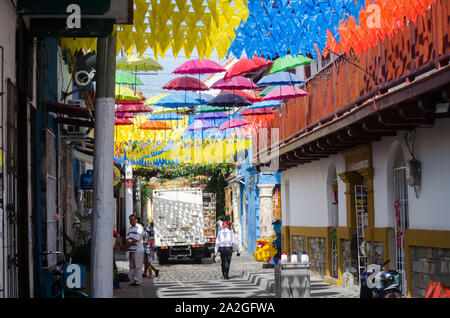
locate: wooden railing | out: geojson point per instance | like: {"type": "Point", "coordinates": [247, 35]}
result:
{"type": "Point", "coordinates": [340, 86]}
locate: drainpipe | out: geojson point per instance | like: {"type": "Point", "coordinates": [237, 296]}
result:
{"type": "Point", "coordinates": [103, 193]}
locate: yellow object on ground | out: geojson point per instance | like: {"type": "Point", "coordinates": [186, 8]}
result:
{"type": "Point", "coordinates": [267, 251]}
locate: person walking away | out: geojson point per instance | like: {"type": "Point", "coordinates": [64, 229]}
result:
{"type": "Point", "coordinates": [149, 255]}
{"type": "Point", "coordinates": [116, 248]}
{"type": "Point", "coordinates": [135, 249]}
{"type": "Point", "coordinates": [225, 243]}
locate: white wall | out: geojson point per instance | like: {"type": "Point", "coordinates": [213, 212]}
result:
{"type": "Point", "coordinates": [431, 210]}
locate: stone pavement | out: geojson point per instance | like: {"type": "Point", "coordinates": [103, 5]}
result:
{"type": "Point", "coordinates": [248, 279]}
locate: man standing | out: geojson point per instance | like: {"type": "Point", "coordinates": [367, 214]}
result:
{"type": "Point", "coordinates": [225, 242]}
{"type": "Point", "coordinates": [136, 250]}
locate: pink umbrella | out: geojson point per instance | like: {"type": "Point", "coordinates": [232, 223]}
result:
{"type": "Point", "coordinates": [256, 112]}
{"type": "Point", "coordinates": [127, 108]}
{"type": "Point", "coordinates": [124, 115]}
{"type": "Point", "coordinates": [284, 92]}
{"type": "Point", "coordinates": [233, 123]}
{"type": "Point", "coordinates": [198, 66]}
{"type": "Point", "coordinates": [236, 82]}
{"type": "Point", "coordinates": [122, 122]}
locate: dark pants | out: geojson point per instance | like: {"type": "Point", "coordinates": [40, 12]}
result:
{"type": "Point", "coordinates": [225, 256]}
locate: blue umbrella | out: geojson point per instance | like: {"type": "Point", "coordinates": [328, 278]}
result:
{"type": "Point", "coordinates": [211, 116]}
{"type": "Point", "coordinates": [280, 78]}
{"type": "Point", "coordinates": [165, 116]}
{"type": "Point", "coordinates": [265, 104]}
{"type": "Point", "coordinates": [187, 99]}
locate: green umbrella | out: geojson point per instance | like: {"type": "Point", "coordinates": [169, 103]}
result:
{"type": "Point", "coordinates": [211, 109]}
{"type": "Point", "coordinates": [127, 78]}
{"type": "Point", "coordinates": [288, 62]}
{"type": "Point", "coordinates": [265, 91]}
{"type": "Point", "coordinates": [136, 63]}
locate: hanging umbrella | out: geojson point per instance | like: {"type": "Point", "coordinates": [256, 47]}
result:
{"type": "Point", "coordinates": [127, 78]}
{"type": "Point", "coordinates": [132, 108]}
{"type": "Point", "coordinates": [237, 82]}
{"type": "Point", "coordinates": [265, 104]}
{"type": "Point", "coordinates": [151, 100]}
{"type": "Point", "coordinates": [200, 125]}
{"type": "Point", "coordinates": [266, 90]}
{"type": "Point", "coordinates": [124, 115]}
{"type": "Point", "coordinates": [252, 96]}
{"type": "Point", "coordinates": [134, 63]}
{"type": "Point", "coordinates": [211, 109]}
{"type": "Point", "coordinates": [154, 125]}
{"type": "Point", "coordinates": [177, 99]}
{"type": "Point", "coordinates": [185, 83]}
{"type": "Point", "coordinates": [288, 62]}
{"type": "Point", "coordinates": [198, 66]}
{"type": "Point", "coordinates": [234, 123]}
{"type": "Point", "coordinates": [165, 117]}
{"type": "Point", "coordinates": [246, 65]}
{"type": "Point", "coordinates": [256, 112]}
{"type": "Point", "coordinates": [167, 110]}
{"type": "Point", "coordinates": [211, 116]}
{"type": "Point", "coordinates": [229, 99]}
{"type": "Point", "coordinates": [123, 93]}
{"type": "Point", "coordinates": [280, 78]}
{"type": "Point", "coordinates": [284, 92]}
{"type": "Point", "coordinates": [123, 122]}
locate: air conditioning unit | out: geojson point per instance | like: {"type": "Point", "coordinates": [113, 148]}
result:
{"type": "Point", "coordinates": [71, 129]}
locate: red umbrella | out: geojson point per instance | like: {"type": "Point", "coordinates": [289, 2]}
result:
{"type": "Point", "coordinates": [252, 96]}
{"type": "Point", "coordinates": [237, 82]}
{"type": "Point", "coordinates": [246, 65]}
{"type": "Point", "coordinates": [256, 112]}
{"type": "Point", "coordinates": [122, 122]}
{"type": "Point", "coordinates": [124, 115]}
{"type": "Point", "coordinates": [185, 83]}
{"type": "Point", "coordinates": [198, 66]}
{"type": "Point", "coordinates": [130, 108]}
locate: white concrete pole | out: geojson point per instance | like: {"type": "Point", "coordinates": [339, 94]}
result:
{"type": "Point", "coordinates": [265, 210]}
{"type": "Point", "coordinates": [103, 193]}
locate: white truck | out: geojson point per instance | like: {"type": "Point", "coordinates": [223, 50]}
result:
{"type": "Point", "coordinates": [180, 227]}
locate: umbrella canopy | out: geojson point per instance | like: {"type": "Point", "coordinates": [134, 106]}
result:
{"type": "Point", "coordinates": [211, 116]}
{"type": "Point", "coordinates": [154, 125]}
{"type": "Point", "coordinates": [132, 108]}
{"type": "Point", "coordinates": [284, 92]}
{"type": "Point", "coordinates": [280, 78]}
{"type": "Point", "coordinates": [134, 63]}
{"type": "Point", "coordinates": [185, 83]}
{"type": "Point", "coordinates": [233, 123]}
{"type": "Point", "coordinates": [256, 112]}
{"type": "Point", "coordinates": [198, 66]}
{"type": "Point", "coordinates": [229, 99]}
{"type": "Point", "coordinates": [124, 115]}
{"type": "Point", "coordinates": [252, 96]}
{"type": "Point", "coordinates": [266, 90]}
{"type": "Point", "coordinates": [265, 104]}
{"type": "Point", "coordinates": [165, 116]}
{"type": "Point", "coordinates": [180, 99]}
{"type": "Point", "coordinates": [236, 82]}
{"type": "Point", "coordinates": [123, 122]}
{"type": "Point", "coordinates": [167, 110]}
{"type": "Point", "coordinates": [151, 100]}
{"type": "Point", "coordinates": [211, 109]}
{"type": "Point", "coordinates": [124, 93]}
{"type": "Point", "coordinates": [288, 62]}
{"type": "Point", "coordinates": [246, 65]}
{"type": "Point", "coordinates": [127, 78]}
{"type": "Point", "coordinates": [201, 125]}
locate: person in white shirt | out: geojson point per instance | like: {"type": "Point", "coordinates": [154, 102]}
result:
{"type": "Point", "coordinates": [135, 249]}
{"type": "Point", "coordinates": [225, 243]}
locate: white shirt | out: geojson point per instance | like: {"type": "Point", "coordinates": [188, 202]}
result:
{"type": "Point", "coordinates": [135, 232]}
{"type": "Point", "coordinates": [226, 238]}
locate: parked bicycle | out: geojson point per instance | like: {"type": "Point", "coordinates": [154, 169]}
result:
{"type": "Point", "coordinates": [59, 272]}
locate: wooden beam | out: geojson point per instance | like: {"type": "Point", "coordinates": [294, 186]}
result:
{"type": "Point", "coordinates": [393, 119]}
{"type": "Point", "coordinates": [309, 153]}
{"type": "Point", "coordinates": [315, 149]}
{"type": "Point", "coordinates": [358, 131]}
{"type": "Point", "coordinates": [373, 125]}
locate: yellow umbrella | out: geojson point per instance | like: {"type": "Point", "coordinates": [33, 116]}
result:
{"type": "Point", "coordinates": [125, 93]}
{"type": "Point", "coordinates": [154, 99]}
{"type": "Point", "coordinates": [167, 110]}
{"type": "Point", "coordinates": [135, 63]}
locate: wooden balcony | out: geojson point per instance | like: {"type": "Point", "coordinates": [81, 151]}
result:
{"type": "Point", "coordinates": [349, 82]}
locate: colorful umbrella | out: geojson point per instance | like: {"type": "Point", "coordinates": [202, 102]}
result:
{"type": "Point", "coordinates": [167, 110]}
{"type": "Point", "coordinates": [133, 108]}
{"type": "Point", "coordinates": [151, 100]}
{"type": "Point", "coordinates": [134, 63]}
{"type": "Point", "coordinates": [123, 93]}
{"type": "Point", "coordinates": [124, 115]}
{"type": "Point", "coordinates": [266, 90]}
{"type": "Point", "coordinates": [198, 66]}
{"type": "Point", "coordinates": [165, 117]}
{"type": "Point", "coordinates": [228, 99]}
{"type": "Point", "coordinates": [127, 78]}
{"type": "Point", "coordinates": [211, 116]}
{"type": "Point", "coordinates": [288, 62]}
{"type": "Point", "coordinates": [265, 104]}
{"type": "Point", "coordinates": [284, 92]}
{"type": "Point", "coordinates": [154, 125]}
{"type": "Point", "coordinates": [233, 123]}
{"type": "Point", "coordinates": [256, 112]}
{"type": "Point", "coordinates": [252, 96]}
{"type": "Point", "coordinates": [246, 65]}
{"type": "Point", "coordinates": [122, 122]}
{"type": "Point", "coordinates": [280, 78]}
{"type": "Point", "coordinates": [211, 109]}
{"type": "Point", "coordinates": [236, 82]}
{"type": "Point", "coordinates": [179, 99]}
{"type": "Point", "coordinates": [200, 125]}
{"type": "Point", "coordinates": [185, 83]}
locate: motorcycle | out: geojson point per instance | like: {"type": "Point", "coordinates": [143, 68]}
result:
{"type": "Point", "coordinates": [377, 282]}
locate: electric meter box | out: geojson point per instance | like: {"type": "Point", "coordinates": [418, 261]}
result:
{"type": "Point", "coordinates": [413, 172]}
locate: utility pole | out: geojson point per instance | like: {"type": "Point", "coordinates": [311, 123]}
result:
{"type": "Point", "coordinates": [103, 193]}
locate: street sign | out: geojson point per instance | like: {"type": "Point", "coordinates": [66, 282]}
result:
{"type": "Point", "coordinates": [87, 180]}
{"type": "Point", "coordinates": [116, 176]}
